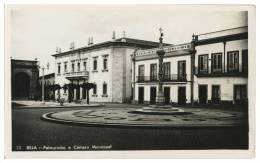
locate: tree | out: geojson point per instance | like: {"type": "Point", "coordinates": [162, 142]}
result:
{"type": "Point", "coordinates": [54, 88]}
{"type": "Point", "coordinates": [70, 87]}
{"type": "Point", "coordinates": [88, 86]}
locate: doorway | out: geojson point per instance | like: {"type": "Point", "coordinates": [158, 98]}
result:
{"type": "Point", "coordinates": [181, 95]}
{"type": "Point", "coordinates": [21, 86]}
{"type": "Point", "coordinates": [215, 94]}
{"type": "Point", "coordinates": [152, 95]}
{"type": "Point", "coordinates": [141, 95]}
{"type": "Point", "coordinates": [203, 94]}
{"type": "Point", "coordinates": [167, 95]}
{"type": "Point", "coordinates": [240, 94]}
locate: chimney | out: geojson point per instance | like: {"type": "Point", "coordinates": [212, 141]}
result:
{"type": "Point", "coordinates": [123, 34]}
{"type": "Point", "coordinates": [89, 41]}
{"type": "Point", "coordinates": [72, 46]}
{"type": "Point", "coordinates": [114, 35]}
{"type": "Point", "coordinates": [58, 50]}
{"type": "Point", "coordinates": [92, 41]}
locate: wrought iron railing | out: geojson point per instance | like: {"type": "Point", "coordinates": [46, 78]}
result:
{"type": "Point", "coordinates": [77, 74]}
{"type": "Point", "coordinates": [166, 78]}
{"type": "Point", "coordinates": [208, 73]}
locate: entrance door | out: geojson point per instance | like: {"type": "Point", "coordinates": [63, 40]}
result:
{"type": "Point", "coordinates": [203, 94]}
{"type": "Point", "coordinates": [167, 95]}
{"type": "Point", "coordinates": [152, 95]}
{"type": "Point", "coordinates": [240, 94]}
{"type": "Point", "coordinates": [141, 95]}
{"type": "Point", "coordinates": [215, 94]}
{"type": "Point", "coordinates": [182, 95]}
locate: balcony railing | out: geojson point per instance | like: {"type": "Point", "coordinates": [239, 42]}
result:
{"type": "Point", "coordinates": [83, 74]}
{"type": "Point", "coordinates": [207, 73]}
{"type": "Point", "coordinates": [166, 78]}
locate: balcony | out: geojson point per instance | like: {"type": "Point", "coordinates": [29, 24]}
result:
{"type": "Point", "coordinates": [207, 73]}
{"type": "Point", "coordinates": [166, 78]}
{"type": "Point", "coordinates": [77, 75]}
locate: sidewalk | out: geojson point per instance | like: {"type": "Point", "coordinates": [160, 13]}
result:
{"type": "Point", "coordinates": [51, 104]}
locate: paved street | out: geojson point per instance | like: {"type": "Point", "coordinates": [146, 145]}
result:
{"type": "Point", "coordinates": [30, 132]}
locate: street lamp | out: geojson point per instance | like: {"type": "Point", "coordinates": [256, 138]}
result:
{"type": "Point", "coordinates": [43, 68]}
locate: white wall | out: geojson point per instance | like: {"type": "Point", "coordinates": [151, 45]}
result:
{"type": "Point", "coordinates": [94, 77]}
{"type": "Point", "coordinates": [100, 77]}
{"type": "Point", "coordinates": [174, 65]}
{"type": "Point", "coordinates": [173, 85]}
{"type": "Point", "coordinates": [226, 83]}
{"type": "Point", "coordinates": [173, 91]}
{"type": "Point", "coordinates": [226, 86]}
{"type": "Point", "coordinates": [128, 78]}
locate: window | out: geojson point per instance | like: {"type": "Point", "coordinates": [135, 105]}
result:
{"type": "Point", "coordinates": [233, 61]}
{"type": "Point", "coordinates": [65, 66]}
{"type": "Point", "coordinates": [216, 63]}
{"type": "Point", "coordinates": [203, 64]}
{"type": "Point", "coordinates": [78, 66]}
{"type": "Point", "coordinates": [105, 63]}
{"type": "Point", "coordinates": [85, 66]}
{"type": "Point", "coordinates": [245, 61]}
{"type": "Point", "coordinates": [72, 67]}
{"type": "Point", "coordinates": [141, 73]}
{"type": "Point", "coordinates": [59, 68]}
{"type": "Point", "coordinates": [181, 70]}
{"type": "Point", "coordinates": [105, 89]}
{"type": "Point", "coordinates": [95, 64]}
{"type": "Point", "coordinates": [153, 72]}
{"type": "Point", "coordinates": [166, 71]}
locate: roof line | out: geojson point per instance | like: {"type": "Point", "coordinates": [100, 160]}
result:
{"type": "Point", "coordinates": [24, 60]}
{"type": "Point", "coordinates": [107, 42]}
{"type": "Point", "coordinates": [221, 30]}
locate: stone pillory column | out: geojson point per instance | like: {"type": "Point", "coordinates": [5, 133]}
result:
{"type": "Point", "coordinates": [160, 95]}
{"type": "Point", "coordinates": [160, 108]}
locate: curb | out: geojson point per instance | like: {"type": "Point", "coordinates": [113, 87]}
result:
{"type": "Point", "coordinates": [48, 117]}
{"type": "Point", "coordinates": [42, 107]}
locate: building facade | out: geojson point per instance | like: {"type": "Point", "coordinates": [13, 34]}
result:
{"type": "Point", "coordinates": [221, 64]}
{"type": "Point", "coordinates": [177, 80]}
{"type": "Point", "coordinates": [107, 65]}
{"type": "Point", "coordinates": [212, 69]}
{"type": "Point", "coordinates": [24, 78]}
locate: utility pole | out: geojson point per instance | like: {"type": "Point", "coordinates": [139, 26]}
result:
{"type": "Point", "coordinates": [43, 85]}
{"type": "Point", "coordinates": [43, 80]}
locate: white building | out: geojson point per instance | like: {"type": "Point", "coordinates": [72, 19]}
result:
{"type": "Point", "coordinates": [221, 63]}
{"type": "Point", "coordinates": [213, 68]}
{"type": "Point", "coordinates": [107, 64]}
{"type": "Point", "coordinates": [177, 74]}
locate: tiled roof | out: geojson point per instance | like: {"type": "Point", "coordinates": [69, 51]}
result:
{"type": "Point", "coordinates": [120, 41]}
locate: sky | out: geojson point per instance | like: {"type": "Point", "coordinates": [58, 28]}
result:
{"type": "Point", "coordinates": [36, 31]}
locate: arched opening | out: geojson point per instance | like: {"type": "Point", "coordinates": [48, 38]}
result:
{"type": "Point", "coordinates": [21, 86]}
